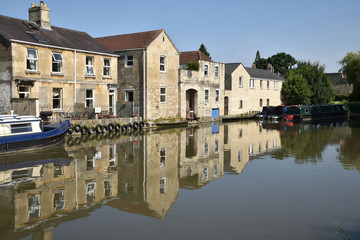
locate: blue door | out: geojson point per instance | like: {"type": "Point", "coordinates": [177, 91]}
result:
{"type": "Point", "coordinates": [215, 113]}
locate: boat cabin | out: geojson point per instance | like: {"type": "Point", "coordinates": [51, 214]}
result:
{"type": "Point", "coordinates": [17, 125]}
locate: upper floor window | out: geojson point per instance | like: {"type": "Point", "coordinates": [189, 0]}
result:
{"type": "Point", "coordinates": [206, 70]}
{"type": "Point", "coordinates": [24, 92]}
{"type": "Point", "coordinates": [162, 64]}
{"type": "Point", "coordinates": [217, 95]}
{"type": "Point", "coordinates": [32, 59]}
{"type": "Point", "coordinates": [216, 71]}
{"type": "Point", "coordinates": [206, 95]}
{"type": "Point", "coordinates": [162, 157]}
{"type": "Point", "coordinates": [268, 84]}
{"type": "Point", "coordinates": [89, 98]}
{"type": "Point", "coordinates": [57, 62]}
{"type": "Point", "coordinates": [129, 61]}
{"type": "Point", "coordinates": [241, 104]}
{"type": "Point", "coordinates": [163, 94]}
{"type": "Point", "coordinates": [252, 84]}
{"type": "Point", "coordinates": [107, 65]}
{"type": "Point", "coordinates": [240, 82]}
{"type": "Point", "coordinates": [90, 65]}
{"type": "Point", "coordinates": [276, 85]}
{"type": "Point", "coordinates": [57, 98]}
{"type": "Point", "coordinates": [261, 84]}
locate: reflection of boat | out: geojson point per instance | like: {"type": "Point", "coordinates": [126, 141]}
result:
{"type": "Point", "coordinates": [315, 112]}
{"type": "Point", "coordinates": [271, 112]}
{"type": "Point", "coordinates": [25, 132]}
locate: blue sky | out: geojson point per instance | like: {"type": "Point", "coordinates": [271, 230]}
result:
{"type": "Point", "coordinates": [232, 30]}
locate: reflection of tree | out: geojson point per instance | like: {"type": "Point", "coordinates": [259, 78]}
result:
{"type": "Point", "coordinates": [306, 142]}
{"type": "Point", "coordinates": [350, 151]}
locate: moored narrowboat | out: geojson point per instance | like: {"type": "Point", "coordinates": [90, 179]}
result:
{"type": "Point", "coordinates": [303, 113]}
{"type": "Point", "coordinates": [26, 132]}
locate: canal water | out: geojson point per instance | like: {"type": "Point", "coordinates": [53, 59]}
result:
{"type": "Point", "coordinates": [241, 180]}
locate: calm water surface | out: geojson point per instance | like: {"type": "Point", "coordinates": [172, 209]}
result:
{"type": "Point", "coordinates": [245, 180]}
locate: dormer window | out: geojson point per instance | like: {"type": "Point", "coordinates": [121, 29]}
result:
{"type": "Point", "coordinates": [32, 60]}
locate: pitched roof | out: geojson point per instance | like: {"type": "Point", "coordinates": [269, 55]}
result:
{"type": "Point", "coordinates": [230, 68]}
{"type": "Point", "coordinates": [193, 56]}
{"type": "Point", "coordinates": [130, 41]}
{"type": "Point", "coordinates": [263, 74]}
{"type": "Point", "coordinates": [13, 29]}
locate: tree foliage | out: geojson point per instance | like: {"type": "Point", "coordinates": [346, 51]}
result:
{"type": "Point", "coordinates": [317, 87]}
{"type": "Point", "coordinates": [281, 62]}
{"type": "Point", "coordinates": [193, 66]}
{"type": "Point", "coordinates": [204, 50]}
{"type": "Point", "coordinates": [351, 68]}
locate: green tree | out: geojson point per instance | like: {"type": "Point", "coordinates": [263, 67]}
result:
{"type": "Point", "coordinates": [193, 66]}
{"type": "Point", "coordinates": [295, 90]}
{"type": "Point", "coordinates": [204, 50]}
{"type": "Point", "coordinates": [260, 63]}
{"type": "Point", "coordinates": [282, 62]}
{"type": "Point", "coordinates": [351, 67]}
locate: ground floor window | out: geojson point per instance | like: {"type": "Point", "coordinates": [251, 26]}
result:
{"type": "Point", "coordinates": [89, 98]}
{"type": "Point", "coordinates": [261, 103]}
{"type": "Point", "coordinates": [268, 102]}
{"type": "Point", "coordinates": [163, 94]}
{"type": "Point", "coordinates": [24, 92]}
{"type": "Point", "coordinates": [241, 104]}
{"type": "Point", "coordinates": [57, 98]}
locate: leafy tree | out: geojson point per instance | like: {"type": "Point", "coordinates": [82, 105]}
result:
{"type": "Point", "coordinates": [204, 50]}
{"type": "Point", "coordinates": [282, 62]}
{"type": "Point", "coordinates": [295, 90]}
{"type": "Point", "coordinates": [193, 66]}
{"type": "Point", "coordinates": [260, 63]}
{"type": "Point", "coordinates": [351, 67]}
{"type": "Point", "coordinates": [257, 57]}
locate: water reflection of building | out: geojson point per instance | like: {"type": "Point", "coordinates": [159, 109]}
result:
{"type": "Point", "coordinates": [245, 141]}
{"type": "Point", "coordinates": [148, 175]}
{"type": "Point", "coordinates": [201, 155]}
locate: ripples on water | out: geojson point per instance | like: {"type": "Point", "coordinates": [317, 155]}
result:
{"type": "Point", "coordinates": [245, 180]}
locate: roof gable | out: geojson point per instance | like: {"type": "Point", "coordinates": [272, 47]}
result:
{"type": "Point", "coordinates": [13, 29]}
{"type": "Point", "coordinates": [193, 56]}
{"type": "Point", "coordinates": [263, 74]}
{"type": "Point", "coordinates": [139, 40]}
{"type": "Point", "coordinates": [230, 68]}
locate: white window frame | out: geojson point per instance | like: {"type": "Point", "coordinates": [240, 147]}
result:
{"type": "Point", "coordinates": [217, 71]}
{"type": "Point", "coordinates": [217, 95]}
{"type": "Point", "coordinates": [206, 174]}
{"type": "Point", "coordinates": [240, 82]}
{"type": "Point", "coordinates": [36, 207]}
{"type": "Point", "coordinates": [267, 84]}
{"type": "Point", "coordinates": [129, 63]}
{"type": "Point", "coordinates": [60, 98]}
{"type": "Point", "coordinates": [30, 59]}
{"type": "Point", "coordinates": [252, 83]}
{"type": "Point", "coordinates": [107, 68]}
{"type": "Point", "coordinates": [276, 85]}
{"type": "Point", "coordinates": [162, 63]}
{"type": "Point", "coordinates": [206, 93]}
{"type": "Point", "coordinates": [216, 147]}
{"type": "Point", "coordinates": [163, 95]}
{"type": "Point", "coordinates": [206, 69]}
{"type": "Point", "coordinates": [57, 59]}
{"type": "Point", "coordinates": [261, 84]}
{"type": "Point", "coordinates": [90, 99]}
{"type": "Point", "coordinates": [163, 185]}
{"type": "Point", "coordinates": [206, 148]}
{"type": "Point", "coordinates": [89, 66]}
{"type": "Point", "coordinates": [26, 91]}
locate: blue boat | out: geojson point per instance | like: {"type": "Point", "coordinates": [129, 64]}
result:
{"type": "Point", "coordinates": [19, 133]}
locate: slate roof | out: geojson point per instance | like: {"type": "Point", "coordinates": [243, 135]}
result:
{"type": "Point", "coordinates": [339, 83]}
{"type": "Point", "coordinates": [193, 56]}
{"type": "Point", "coordinates": [139, 40]}
{"type": "Point", "coordinates": [263, 74]}
{"type": "Point", "coordinates": [13, 29]}
{"type": "Point", "coordinates": [230, 68]}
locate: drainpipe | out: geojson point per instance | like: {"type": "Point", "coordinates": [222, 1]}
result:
{"type": "Point", "coordinates": [74, 77]}
{"type": "Point", "coordinates": [144, 85]}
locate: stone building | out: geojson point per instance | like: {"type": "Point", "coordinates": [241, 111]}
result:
{"type": "Point", "coordinates": [247, 90]}
{"type": "Point", "coordinates": [43, 67]}
{"type": "Point", "coordinates": [148, 72]}
{"type": "Point", "coordinates": [339, 83]}
{"type": "Point", "coordinates": [201, 92]}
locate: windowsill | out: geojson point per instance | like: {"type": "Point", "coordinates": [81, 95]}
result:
{"type": "Point", "coordinates": [129, 66]}
{"type": "Point", "coordinates": [239, 87]}
{"type": "Point", "coordinates": [252, 87]}
{"type": "Point", "coordinates": [90, 76]}
{"type": "Point", "coordinates": [107, 77]}
{"type": "Point", "coordinates": [27, 71]}
{"type": "Point", "coordinates": [58, 110]}
{"type": "Point", "coordinates": [57, 74]}
{"type": "Point", "coordinates": [162, 71]}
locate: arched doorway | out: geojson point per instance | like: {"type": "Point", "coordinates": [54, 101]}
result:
{"type": "Point", "coordinates": [191, 103]}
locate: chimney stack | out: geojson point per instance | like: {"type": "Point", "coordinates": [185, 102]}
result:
{"type": "Point", "coordinates": [270, 67]}
{"type": "Point", "coordinates": [40, 15]}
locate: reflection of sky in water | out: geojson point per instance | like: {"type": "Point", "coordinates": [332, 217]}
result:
{"type": "Point", "coordinates": [246, 181]}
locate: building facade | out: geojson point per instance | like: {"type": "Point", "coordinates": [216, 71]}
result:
{"type": "Point", "coordinates": [247, 90]}
{"type": "Point", "coordinates": [47, 68]}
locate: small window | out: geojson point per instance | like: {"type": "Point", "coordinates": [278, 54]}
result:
{"type": "Point", "coordinates": [57, 98]}
{"type": "Point", "coordinates": [261, 84]}
{"type": "Point", "coordinates": [268, 84]}
{"type": "Point", "coordinates": [129, 61]}
{"type": "Point", "coordinates": [217, 95]}
{"type": "Point", "coordinates": [59, 201]}
{"type": "Point", "coordinates": [261, 103]}
{"type": "Point", "coordinates": [240, 82]}
{"type": "Point", "coordinates": [276, 85]}
{"type": "Point", "coordinates": [163, 94]}
{"type": "Point", "coordinates": [32, 60]}
{"type": "Point", "coordinates": [89, 98]}
{"type": "Point", "coordinates": [239, 155]}
{"type": "Point", "coordinates": [216, 170]}
{"type": "Point", "coordinates": [24, 92]}
{"type": "Point", "coordinates": [206, 148]}
{"type": "Point", "coordinates": [21, 128]}
{"type": "Point", "coordinates": [57, 62]}
{"type": "Point", "coordinates": [216, 71]}
{"type": "Point", "coordinates": [251, 149]}
{"type": "Point", "coordinates": [90, 192]}
{"type": "Point", "coordinates": [241, 104]}
{"type": "Point", "coordinates": [252, 84]}
{"type": "Point", "coordinates": [205, 172]}
{"type": "Point", "coordinates": [34, 207]}
{"type": "Point", "coordinates": [206, 70]}
{"type": "Point", "coordinates": [162, 64]}
{"type": "Point", "coordinates": [163, 185]}
{"type": "Point", "coordinates": [216, 150]}
{"type": "Point", "coordinates": [107, 187]}
{"type": "Point", "coordinates": [162, 157]}
{"type": "Point", "coordinates": [267, 102]}
{"type": "Point", "coordinates": [206, 95]}
{"type": "Point", "coordinates": [107, 66]}
{"type": "Point", "coordinates": [90, 66]}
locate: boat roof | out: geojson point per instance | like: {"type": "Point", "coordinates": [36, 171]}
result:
{"type": "Point", "coordinates": [17, 118]}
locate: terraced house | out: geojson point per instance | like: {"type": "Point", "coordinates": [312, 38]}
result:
{"type": "Point", "coordinates": [148, 72]}
{"type": "Point", "coordinates": [43, 67]}
{"type": "Point", "coordinates": [249, 89]}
